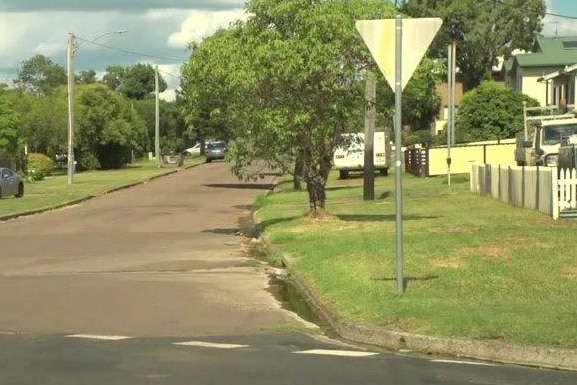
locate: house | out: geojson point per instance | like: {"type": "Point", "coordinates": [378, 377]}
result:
{"type": "Point", "coordinates": [561, 86]}
{"type": "Point", "coordinates": [443, 115]}
{"type": "Point", "coordinates": [527, 72]}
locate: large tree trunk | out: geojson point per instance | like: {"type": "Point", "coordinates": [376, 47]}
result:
{"type": "Point", "coordinates": [317, 197]}
{"type": "Point", "coordinates": [316, 177]}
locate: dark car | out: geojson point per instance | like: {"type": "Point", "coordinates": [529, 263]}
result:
{"type": "Point", "coordinates": [215, 150]}
{"type": "Point", "coordinates": [11, 184]}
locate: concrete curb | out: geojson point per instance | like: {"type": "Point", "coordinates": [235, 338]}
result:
{"type": "Point", "coordinates": [87, 198]}
{"type": "Point", "coordinates": [458, 347]}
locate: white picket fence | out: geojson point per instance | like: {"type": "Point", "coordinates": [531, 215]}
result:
{"type": "Point", "coordinates": [537, 188]}
{"type": "Point", "coordinates": [565, 201]}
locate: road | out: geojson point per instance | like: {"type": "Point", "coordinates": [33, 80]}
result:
{"type": "Point", "coordinates": [151, 285]}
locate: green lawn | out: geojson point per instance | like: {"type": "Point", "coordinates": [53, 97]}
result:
{"type": "Point", "coordinates": [475, 267]}
{"type": "Point", "coordinates": [55, 190]}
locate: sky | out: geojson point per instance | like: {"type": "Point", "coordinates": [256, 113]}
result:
{"type": "Point", "coordinates": [158, 31]}
{"type": "Point", "coordinates": [557, 25]}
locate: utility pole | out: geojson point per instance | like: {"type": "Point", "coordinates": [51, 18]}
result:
{"type": "Point", "coordinates": [71, 81]}
{"type": "Point", "coordinates": [370, 123]}
{"type": "Point", "coordinates": [157, 120]}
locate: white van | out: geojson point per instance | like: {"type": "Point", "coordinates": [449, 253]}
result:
{"type": "Point", "coordinates": [352, 158]}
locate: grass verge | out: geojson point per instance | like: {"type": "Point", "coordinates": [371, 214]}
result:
{"type": "Point", "coordinates": [475, 267]}
{"type": "Point", "coordinates": [55, 191]}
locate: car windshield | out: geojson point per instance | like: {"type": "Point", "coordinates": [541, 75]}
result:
{"type": "Point", "coordinates": [216, 145]}
{"type": "Point", "coordinates": [554, 134]}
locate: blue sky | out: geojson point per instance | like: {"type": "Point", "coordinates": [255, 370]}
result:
{"type": "Point", "coordinates": [563, 26]}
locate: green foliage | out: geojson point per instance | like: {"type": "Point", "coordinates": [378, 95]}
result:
{"type": "Point", "coordinates": [86, 77]}
{"type": "Point", "coordinates": [108, 129]}
{"type": "Point", "coordinates": [43, 120]}
{"type": "Point", "coordinates": [39, 166]}
{"type": "Point", "coordinates": [490, 112]}
{"type": "Point", "coordinates": [421, 101]}
{"type": "Point", "coordinates": [290, 86]}
{"type": "Point", "coordinates": [39, 75]}
{"type": "Point", "coordinates": [483, 29]}
{"type": "Point", "coordinates": [9, 121]}
{"type": "Point", "coordinates": [135, 82]}
{"type": "Point", "coordinates": [173, 128]}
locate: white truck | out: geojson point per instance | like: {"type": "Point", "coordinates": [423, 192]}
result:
{"type": "Point", "coordinates": [539, 142]}
{"type": "Point", "coordinates": [351, 156]}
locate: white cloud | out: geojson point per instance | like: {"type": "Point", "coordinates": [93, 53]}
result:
{"type": "Point", "coordinates": [200, 24]}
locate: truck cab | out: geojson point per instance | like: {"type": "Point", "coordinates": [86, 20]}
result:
{"type": "Point", "coordinates": [539, 143]}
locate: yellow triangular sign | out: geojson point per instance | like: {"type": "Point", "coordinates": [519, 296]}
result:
{"type": "Point", "coordinates": [417, 35]}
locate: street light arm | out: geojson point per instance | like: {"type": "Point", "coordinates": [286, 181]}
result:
{"type": "Point", "coordinates": [78, 46]}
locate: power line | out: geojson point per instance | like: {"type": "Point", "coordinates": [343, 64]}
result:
{"type": "Point", "coordinates": [133, 52]}
{"type": "Point", "coordinates": [169, 74]}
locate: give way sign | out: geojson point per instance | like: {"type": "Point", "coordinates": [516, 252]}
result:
{"type": "Point", "coordinates": [417, 35]}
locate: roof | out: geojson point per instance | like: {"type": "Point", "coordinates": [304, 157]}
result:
{"type": "Point", "coordinates": [550, 51]}
{"type": "Point", "coordinates": [553, 75]}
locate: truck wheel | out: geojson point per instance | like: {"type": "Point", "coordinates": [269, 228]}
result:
{"type": "Point", "coordinates": [384, 171]}
{"type": "Point", "coordinates": [343, 174]}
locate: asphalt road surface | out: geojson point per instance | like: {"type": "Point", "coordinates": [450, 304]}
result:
{"type": "Point", "coordinates": [150, 285]}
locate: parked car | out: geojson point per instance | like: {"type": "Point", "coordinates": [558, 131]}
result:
{"type": "Point", "coordinates": [194, 150]}
{"type": "Point", "coordinates": [215, 150]}
{"type": "Point", "coordinates": [10, 183]}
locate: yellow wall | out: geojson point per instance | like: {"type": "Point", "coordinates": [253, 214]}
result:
{"type": "Point", "coordinates": [463, 157]}
{"type": "Point", "coordinates": [533, 88]}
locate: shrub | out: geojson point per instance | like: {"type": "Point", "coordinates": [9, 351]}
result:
{"type": "Point", "coordinates": [39, 166]}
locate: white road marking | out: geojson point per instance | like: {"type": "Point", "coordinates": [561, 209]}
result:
{"type": "Point", "coordinates": [210, 345]}
{"type": "Point", "coordinates": [463, 362]}
{"type": "Point", "coordinates": [98, 337]}
{"type": "Point", "coordinates": [342, 353]}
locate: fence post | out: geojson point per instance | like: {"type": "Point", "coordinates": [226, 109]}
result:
{"type": "Point", "coordinates": [555, 194]}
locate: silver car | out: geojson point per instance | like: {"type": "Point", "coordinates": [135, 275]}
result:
{"type": "Point", "coordinates": [10, 183]}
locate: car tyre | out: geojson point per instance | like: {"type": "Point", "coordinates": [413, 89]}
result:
{"type": "Point", "coordinates": [343, 174]}
{"type": "Point", "coordinates": [20, 193]}
{"type": "Point", "coordinates": [208, 160]}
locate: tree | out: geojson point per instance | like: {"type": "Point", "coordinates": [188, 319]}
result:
{"type": "Point", "coordinates": [483, 30]}
{"type": "Point", "coordinates": [86, 77]}
{"type": "Point", "coordinates": [39, 75]}
{"type": "Point", "coordinates": [114, 77]}
{"type": "Point", "coordinates": [43, 120]}
{"type": "Point", "coordinates": [9, 138]}
{"type": "Point", "coordinates": [290, 84]}
{"type": "Point", "coordinates": [421, 101]}
{"type": "Point", "coordinates": [108, 128]}
{"type": "Point", "coordinates": [490, 112]}
{"type": "Point", "coordinates": [135, 82]}
{"type": "Point", "coordinates": [173, 129]}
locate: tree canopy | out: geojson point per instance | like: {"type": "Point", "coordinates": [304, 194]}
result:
{"type": "Point", "coordinates": [490, 112]}
{"type": "Point", "coordinates": [39, 75]}
{"type": "Point", "coordinates": [108, 128]}
{"type": "Point", "coordinates": [284, 84]}
{"type": "Point", "coordinates": [135, 82]}
{"type": "Point", "coordinates": [483, 30]}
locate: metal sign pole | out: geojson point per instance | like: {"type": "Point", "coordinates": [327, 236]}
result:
{"type": "Point", "coordinates": [398, 152]}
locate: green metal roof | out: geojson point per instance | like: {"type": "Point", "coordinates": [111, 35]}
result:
{"type": "Point", "coordinates": [540, 59]}
{"type": "Point", "coordinates": [550, 51]}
